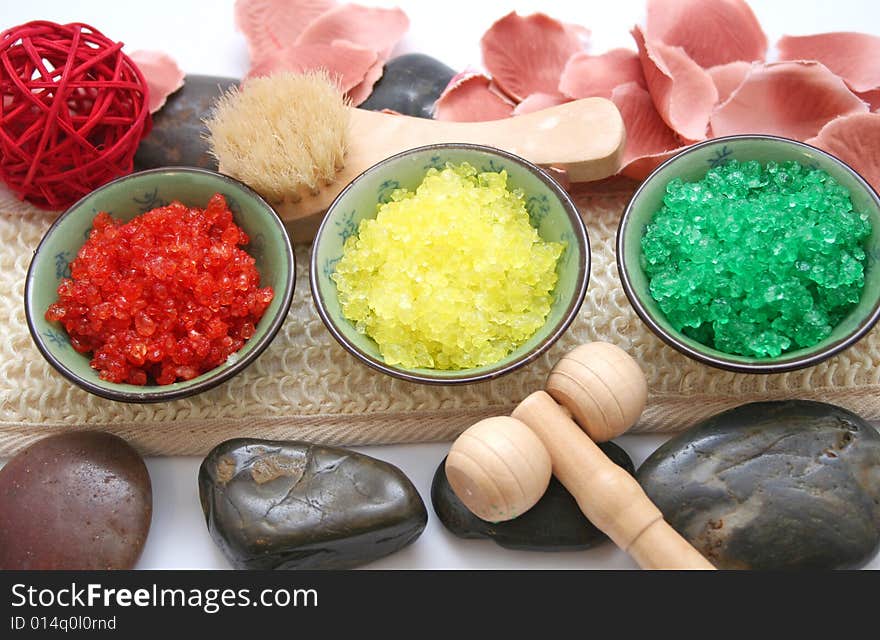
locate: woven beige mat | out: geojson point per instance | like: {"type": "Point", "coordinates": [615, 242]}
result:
{"type": "Point", "coordinates": [305, 386]}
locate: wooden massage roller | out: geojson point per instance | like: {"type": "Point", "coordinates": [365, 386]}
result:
{"type": "Point", "coordinates": [500, 467]}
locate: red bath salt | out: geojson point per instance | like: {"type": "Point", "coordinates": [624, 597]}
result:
{"type": "Point", "coordinates": [164, 297]}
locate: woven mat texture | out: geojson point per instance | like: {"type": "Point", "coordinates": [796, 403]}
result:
{"type": "Point", "coordinates": [305, 386]}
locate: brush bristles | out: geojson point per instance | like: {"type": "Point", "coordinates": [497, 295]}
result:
{"type": "Point", "coordinates": [282, 134]}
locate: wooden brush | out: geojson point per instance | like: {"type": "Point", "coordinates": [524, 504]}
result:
{"type": "Point", "coordinates": [293, 138]}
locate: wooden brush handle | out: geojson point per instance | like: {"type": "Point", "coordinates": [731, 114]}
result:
{"type": "Point", "coordinates": [608, 495]}
{"type": "Point", "coordinates": [584, 137]}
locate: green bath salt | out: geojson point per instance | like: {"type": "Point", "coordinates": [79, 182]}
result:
{"type": "Point", "coordinates": [756, 260]}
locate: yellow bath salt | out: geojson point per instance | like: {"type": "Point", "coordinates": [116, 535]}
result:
{"type": "Point", "coordinates": [451, 276]}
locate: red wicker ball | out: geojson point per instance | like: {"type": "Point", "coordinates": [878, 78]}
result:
{"type": "Point", "coordinates": [73, 109]}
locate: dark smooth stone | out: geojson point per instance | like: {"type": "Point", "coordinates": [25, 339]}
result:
{"type": "Point", "coordinates": [178, 134]}
{"type": "Point", "coordinates": [410, 84]}
{"type": "Point", "coordinates": [75, 501]}
{"type": "Point", "coordinates": [555, 523]}
{"type": "Point", "coordinates": [294, 505]}
{"type": "Point", "coordinates": [773, 485]}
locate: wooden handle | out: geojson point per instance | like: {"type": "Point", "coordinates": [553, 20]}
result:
{"type": "Point", "coordinates": [608, 495]}
{"type": "Point", "coordinates": [584, 137]}
{"type": "Point", "coordinates": [662, 547]}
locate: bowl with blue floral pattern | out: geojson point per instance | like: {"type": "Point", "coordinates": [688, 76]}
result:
{"type": "Point", "coordinates": [789, 174]}
{"type": "Point", "coordinates": [550, 211]}
{"type": "Point", "coordinates": [124, 199]}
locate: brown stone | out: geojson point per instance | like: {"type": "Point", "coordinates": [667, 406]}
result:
{"type": "Point", "coordinates": [78, 500]}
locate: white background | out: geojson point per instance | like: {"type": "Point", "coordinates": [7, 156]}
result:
{"type": "Point", "coordinates": [201, 36]}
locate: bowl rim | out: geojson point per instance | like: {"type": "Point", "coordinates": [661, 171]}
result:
{"type": "Point", "coordinates": [779, 366]}
{"type": "Point", "coordinates": [210, 379]}
{"type": "Point", "coordinates": [570, 313]}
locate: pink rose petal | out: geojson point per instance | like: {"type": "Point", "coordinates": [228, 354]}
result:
{"type": "Point", "coordinates": [311, 34]}
{"type": "Point", "coordinates": [641, 167]}
{"type": "Point", "coordinates": [538, 101]}
{"type": "Point", "coordinates": [852, 56]}
{"type": "Point", "coordinates": [526, 54]}
{"type": "Point", "coordinates": [364, 88]}
{"type": "Point", "coordinates": [471, 97]}
{"type": "Point", "coordinates": [348, 63]}
{"type": "Point", "coordinates": [712, 32]}
{"type": "Point", "coordinates": [683, 93]}
{"type": "Point", "coordinates": [855, 139]}
{"type": "Point", "coordinates": [162, 74]}
{"type": "Point", "coordinates": [370, 27]}
{"type": "Point", "coordinates": [872, 98]}
{"type": "Point", "coordinates": [585, 76]}
{"type": "Point", "coordinates": [727, 77]}
{"type": "Point", "coordinates": [270, 25]}
{"type": "Point", "coordinates": [790, 99]}
{"type": "Point", "coordinates": [578, 31]}
{"type": "Point", "coordinates": [649, 141]}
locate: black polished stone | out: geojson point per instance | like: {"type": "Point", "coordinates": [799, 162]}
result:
{"type": "Point", "coordinates": [555, 523]}
{"type": "Point", "coordinates": [178, 134]}
{"type": "Point", "coordinates": [773, 485]}
{"type": "Point", "coordinates": [294, 505]}
{"type": "Point", "coordinates": [410, 84]}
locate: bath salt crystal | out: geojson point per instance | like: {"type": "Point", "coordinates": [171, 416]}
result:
{"type": "Point", "coordinates": [450, 276]}
{"type": "Point", "coordinates": [163, 297]}
{"type": "Point", "coordinates": [756, 260]}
